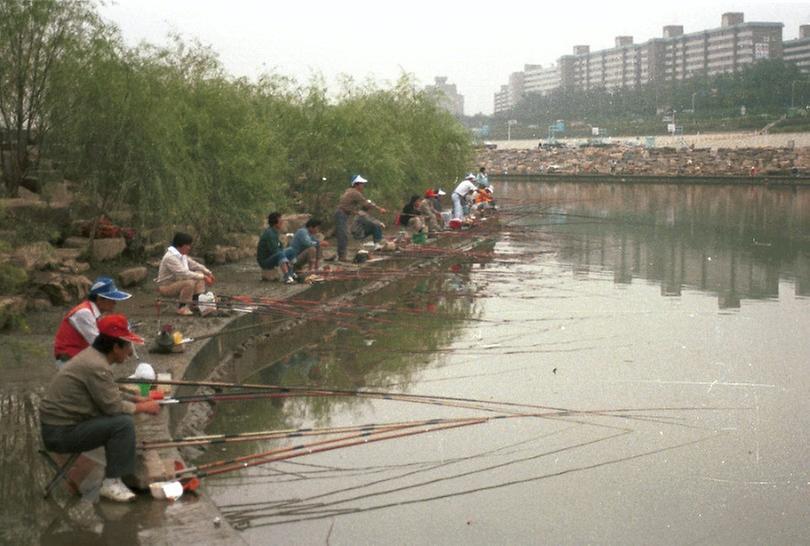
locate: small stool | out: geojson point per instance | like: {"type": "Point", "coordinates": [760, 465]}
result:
{"type": "Point", "coordinates": [61, 471]}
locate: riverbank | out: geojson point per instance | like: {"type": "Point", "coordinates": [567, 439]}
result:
{"type": "Point", "coordinates": [755, 139]}
{"type": "Point", "coordinates": [28, 367]}
{"type": "Point", "coordinates": [636, 160]}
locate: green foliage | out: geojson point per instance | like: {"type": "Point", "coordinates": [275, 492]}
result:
{"type": "Point", "coordinates": [12, 278]}
{"type": "Point", "coordinates": [168, 134]}
{"type": "Point", "coordinates": [36, 37]}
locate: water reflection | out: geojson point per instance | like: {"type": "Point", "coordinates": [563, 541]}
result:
{"type": "Point", "coordinates": [734, 242]}
{"type": "Point", "coordinates": [383, 341]}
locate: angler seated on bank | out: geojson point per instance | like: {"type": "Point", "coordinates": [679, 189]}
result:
{"type": "Point", "coordinates": [182, 277]}
{"type": "Point", "coordinates": [83, 407]}
{"type": "Point", "coordinates": [270, 252]}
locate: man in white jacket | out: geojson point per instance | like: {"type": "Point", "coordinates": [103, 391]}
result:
{"type": "Point", "coordinates": [465, 188]}
{"type": "Point", "coordinates": [181, 276]}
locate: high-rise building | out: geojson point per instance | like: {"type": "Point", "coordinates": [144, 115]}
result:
{"type": "Point", "coordinates": [447, 95]}
{"type": "Point", "coordinates": [673, 57]}
{"type": "Point", "coordinates": [798, 51]}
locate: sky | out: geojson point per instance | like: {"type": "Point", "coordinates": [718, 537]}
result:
{"type": "Point", "coordinates": [475, 44]}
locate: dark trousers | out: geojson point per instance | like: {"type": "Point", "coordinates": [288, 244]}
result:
{"type": "Point", "coordinates": [116, 433]}
{"type": "Point", "coordinates": [342, 233]}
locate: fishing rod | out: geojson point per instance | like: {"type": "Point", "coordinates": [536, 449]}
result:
{"type": "Point", "coordinates": [281, 454]}
{"type": "Point", "coordinates": [289, 452]}
{"type": "Point", "coordinates": [215, 439]}
{"type": "Point", "coordinates": [345, 392]}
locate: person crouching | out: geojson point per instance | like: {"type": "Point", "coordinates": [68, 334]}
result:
{"type": "Point", "coordinates": [270, 253]}
{"type": "Point", "coordinates": [180, 276]}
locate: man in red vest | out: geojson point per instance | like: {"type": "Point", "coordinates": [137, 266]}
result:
{"type": "Point", "coordinates": [79, 327]}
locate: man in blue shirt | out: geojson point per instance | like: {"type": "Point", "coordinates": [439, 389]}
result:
{"type": "Point", "coordinates": [306, 245]}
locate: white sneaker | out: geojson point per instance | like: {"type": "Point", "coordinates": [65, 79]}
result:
{"type": "Point", "coordinates": [115, 490]}
{"type": "Point", "coordinates": [379, 246]}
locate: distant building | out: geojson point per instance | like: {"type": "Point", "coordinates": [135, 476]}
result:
{"type": "Point", "coordinates": [798, 51]}
{"type": "Point", "coordinates": [673, 57]}
{"type": "Point", "coordinates": [447, 96]}
{"type": "Point", "coordinates": [540, 80]}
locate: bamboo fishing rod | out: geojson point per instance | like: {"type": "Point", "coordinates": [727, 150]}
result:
{"type": "Point", "coordinates": [317, 447]}
{"type": "Point", "coordinates": [212, 439]}
{"type": "Point", "coordinates": [344, 392]}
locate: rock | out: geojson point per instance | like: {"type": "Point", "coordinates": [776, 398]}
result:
{"type": "Point", "coordinates": [292, 222]}
{"type": "Point", "coordinates": [73, 266]}
{"type": "Point", "coordinates": [76, 242]}
{"type": "Point", "coordinates": [11, 309]}
{"type": "Point", "coordinates": [61, 288]}
{"type": "Point", "coordinates": [154, 249]}
{"type": "Point", "coordinates": [36, 256]}
{"type": "Point", "coordinates": [132, 276]}
{"type": "Point", "coordinates": [107, 249]}
{"type": "Point", "coordinates": [39, 304]}
{"type": "Point", "coordinates": [66, 254]}
{"type": "Point", "coordinates": [234, 254]}
{"type": "Point", "coordinates": [217, 255]}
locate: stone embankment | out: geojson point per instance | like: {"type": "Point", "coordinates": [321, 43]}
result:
{"type": "Point", "coordinates": [624, 159]}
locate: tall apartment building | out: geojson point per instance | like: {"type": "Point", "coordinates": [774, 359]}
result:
{"type": "Point", "coordinates": [540, 80]}
{"type": "Point", "coordinates": [798, 51]}
{"type": "Point", "coordinates": [675, 56]}
{"type": "Point", "coordinates": [447, 95]}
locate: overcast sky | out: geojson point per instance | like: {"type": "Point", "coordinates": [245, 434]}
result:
{"type": "Point", "coordinates": [475, 44]}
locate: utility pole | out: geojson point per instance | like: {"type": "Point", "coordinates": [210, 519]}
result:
{"type": "Point", "coordinates": [509, 128]}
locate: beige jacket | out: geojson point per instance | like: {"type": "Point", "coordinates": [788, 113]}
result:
{"type": "Point", "coordinates": [84, 388]}
{"type": "Point", "coordinates": [176, 267]}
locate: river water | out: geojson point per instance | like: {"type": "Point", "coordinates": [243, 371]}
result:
{"type": "Point", "coordinates": [650, 341]}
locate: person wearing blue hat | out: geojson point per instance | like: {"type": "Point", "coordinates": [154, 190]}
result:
{"type": "Point", "coordinates": [79, 327]}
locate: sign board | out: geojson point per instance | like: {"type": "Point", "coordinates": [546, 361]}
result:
{"type": "Point", "coordinates": [594, 131]}
{"type": "Point", "coordinates": [671, 128]}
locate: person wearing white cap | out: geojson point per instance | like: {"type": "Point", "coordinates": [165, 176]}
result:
{"type": "Point", "coordinates": [465, 188]}
{"type": "Point", "coordinates": [79, 326]}
{"type": "Point", "coordinates": [354, 203]}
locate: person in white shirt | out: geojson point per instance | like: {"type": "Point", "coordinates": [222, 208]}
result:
{"type": "Point", "coordinates": [181, 276]}
{"type": "Point", "coordinates": [465, 188]}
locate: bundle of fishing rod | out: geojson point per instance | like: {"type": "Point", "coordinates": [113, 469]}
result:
{"type": "Point", "coordinates": [303, 442]}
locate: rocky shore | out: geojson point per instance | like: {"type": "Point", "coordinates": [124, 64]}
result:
{"type": "Point", "coordinates": [624, 159]}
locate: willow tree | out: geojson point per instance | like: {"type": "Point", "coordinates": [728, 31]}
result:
{"type": "Point", "coordinates": [35, 37]}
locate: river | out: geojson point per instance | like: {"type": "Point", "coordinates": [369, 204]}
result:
{"type": "Point", "coordinates": [649, 341]}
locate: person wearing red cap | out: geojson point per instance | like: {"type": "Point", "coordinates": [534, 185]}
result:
{"type": "Point", "coordinates": [83, 408]}
{"type": "Point", "coordinates": [429, 212]}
